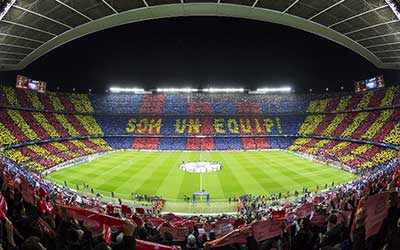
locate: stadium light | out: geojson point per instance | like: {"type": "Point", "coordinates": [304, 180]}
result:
{"type": "Point", "coordinates": [126, 90]}
{"type": "Point", "coordinates": [270, 90]}
{"type": "Point", "coordinates": [395, 6]}
{"type": "Point", "coordinates": [184, 90]}
{"type": "Point", "coordinates": [6, 7]}
{"type": "Point", "coordinates": [223, 90]}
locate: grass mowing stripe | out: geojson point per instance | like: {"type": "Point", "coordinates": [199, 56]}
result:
{"type": "Point", "coordinates": [257, 172]}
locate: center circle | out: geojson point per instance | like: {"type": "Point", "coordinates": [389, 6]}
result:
{"type": "Point", "coordinates": [200, 167]}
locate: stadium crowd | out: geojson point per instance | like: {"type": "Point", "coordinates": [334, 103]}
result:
{"type": "Point", "coordinates": [364, 214]}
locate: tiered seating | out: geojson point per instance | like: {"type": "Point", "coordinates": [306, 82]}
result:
{"type": "Point", "coordinates": [200, 108]}
{"type": "Point", "coordinates": [280, 142]}
{"type": "Point", "coordinates": [152, 104]}
{"type": "Point", "coordinates": [172, 144]}
{"type": "Point", "coordinates": [119, 143]}
{"type": "Point", "coordinates": [227, 107]}
{"type": "Point", "coordinates": [116, 103]}
{"type": "Point", "coordinates": [249, 107]}
{"type": "Point", "coordinates": [231, 143]}
{"type": "Point", "coordinates": [200, 144]}
{"type": "Point", "coordinates": [233, 129]}
{"type": "Point", "coordinates": [69, 102]}
{"type": "Point", "coordinates": [355, 155]}
{"type": "Point", "coordinates": [32, 126]}
{"type": "Point", "coordinates": [377, 126]}
{"type": "Point", "coordinates": [175, 104]}
{"type": "Point", "coordinates": [146, 143]}
{"type": "Point", "coordinates": [39, 157]}
{"type": "Point", "coordinates": [254, 143]}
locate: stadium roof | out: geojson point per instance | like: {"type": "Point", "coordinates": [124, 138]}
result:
{"type": "Point", "coordinates": [32, 28]}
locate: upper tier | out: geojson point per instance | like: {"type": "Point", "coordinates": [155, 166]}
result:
{"type": "Point", "coordinates": [199, 103]}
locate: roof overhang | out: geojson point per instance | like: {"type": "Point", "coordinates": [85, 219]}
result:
{"type": "Point", "coordinates": [201, 9]}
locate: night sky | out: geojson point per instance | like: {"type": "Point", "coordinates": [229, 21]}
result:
{"type": "Point", "coordinates": [201, 52]}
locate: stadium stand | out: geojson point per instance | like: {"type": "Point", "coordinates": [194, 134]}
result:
{"type": "Point", "coordinates": [357, 131]}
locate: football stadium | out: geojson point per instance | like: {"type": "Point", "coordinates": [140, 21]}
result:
{"type": "Point", "coordinates": [177, 124]}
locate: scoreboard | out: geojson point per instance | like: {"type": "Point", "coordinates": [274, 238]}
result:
{"type": "Point", "coordinates": [24, 82]}
{"type": "Point", "coordinates": [369, 84]}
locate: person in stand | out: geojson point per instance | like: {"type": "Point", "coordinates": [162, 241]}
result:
{"type": "Point", "coordinates": [334, 233]}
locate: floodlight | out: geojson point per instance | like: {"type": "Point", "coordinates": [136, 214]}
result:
{"type": "Point", "coordinates": [269, 90]}
{"type": "Point", "coordinates": [184, 90]}
{"type": "Point", "coordinates": [126, 90]}
{"type": "Point", "coordinates": [223, 90]}
{"type": "Point", "coordinates": [6, 8]}
{"type": "Point", "coordinates": [395, 6]}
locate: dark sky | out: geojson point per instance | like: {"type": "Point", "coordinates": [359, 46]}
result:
{"type": "Point", "coordinates": [201, 52]}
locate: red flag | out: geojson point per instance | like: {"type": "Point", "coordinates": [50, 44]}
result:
{"type": "Point", "coordinates": [277, 215]}
{"type": "Point", "coordinates": [126, 210]}
{"type": "Point", "coordinates": [46, 228]}
{"type": "Point", "coordinates": [344, 216]}
{"type": "Point", "coordinates": [137, 220]}
{"type": "Point", "coordinates": [46, 207]}
{"type": "Point", "coordinates": [377, 209]}
{"type": "Point", "coordinates": [3, 207]}
{"type": "Point", "coordinates": [107, 234]}
{"type": "Point", "coordinates": [264, 230]}
{"type": "Point", "coordinates": [319, 220]}
{"type": "Point", "coordinates": [178, 233]}
{"type": "Point", "coordinates": [92, 216]}
{"type": "Point", "coordinates": [139, 210]}
{"type": "Point", "coordinates": [42, 192]}
{"type": "Point", "coordinates": [228, 239]}
{"type": "Point", "coordinates": [146, 245]}
{"type": "Point", "coordinates": [110, 209]}
{"type": "Point", "coordinates": [238, 223]}
{"type": "Point", "coordinates": [27, 191]}
{"type": "Point", "coordinates": [223, 227]}
{"type": "Point", "coordinates": [169, 216]}
{"type": "Point", "coordinates": [182, 223]}
{"type": "Point", "coordinates": [305, 210]}
{"type": "Point", "coordinates": [157, 221]}
{"type": "Point", "coordinates": [8, 178]}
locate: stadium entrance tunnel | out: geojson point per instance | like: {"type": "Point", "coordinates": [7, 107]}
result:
{"type": "Point", "coordinates": [198, 9]}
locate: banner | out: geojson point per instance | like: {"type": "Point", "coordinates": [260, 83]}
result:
{"type": "Point", "coordinates": [228, 239]}
{"type": "Point", "coordinates": [178, 233]}
{"type": "Point", "coordinates": [170, 216]}
{"type": "Point", "coordinates": [45, 207]}
{"type": "Point", "coordinates": [277, 215]}
{"type": "Point", "coordinates": [3, 207]}
{"type": "Point", "coordinates": [223, 227]}
{"type": "Point", "coordinates": [305, 210]}
{"type": "Point", "coordinates": [344, 216]}
{"type": "Point", "coordinates": [319, 220]}
{"type": "Point", "coordinates": [182, 223]}
{"type": "Point", "coordinates": [264, 230]}
{"type": "Point", "coordinates": [46, 228]}
{"type": "Point", "coordinates": [28, 191]}
{"type": "Point", "coordinates": [88, 215]}
{"type": "Point", "coordinates": [146, 245]}
{"type": "Point", "coordinates": [377, 209]}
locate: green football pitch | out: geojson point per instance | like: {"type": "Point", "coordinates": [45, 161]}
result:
{"type": "Point", "coordinates": [158, 173]}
